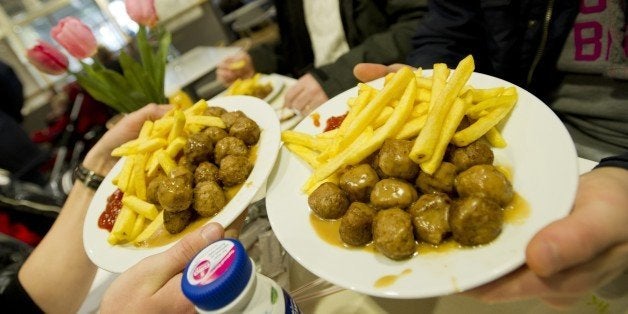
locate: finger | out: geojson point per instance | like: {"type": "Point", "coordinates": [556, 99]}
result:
{"type": "Point", "coordinates": [172, 261]}
{"type": "Point", "coordinates": [233, 230]}
{"type": "Point", "coordinates": [597, 223]}
{"type": "Point", "coordinates": [366, 72]}
{"type": "Point", "coordinates": [291, 95]}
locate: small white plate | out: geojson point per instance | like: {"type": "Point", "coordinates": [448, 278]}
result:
{"type": "Point", "coordinates": [543, 160]}
{"type": "Point", "coordinates": [118, 258]}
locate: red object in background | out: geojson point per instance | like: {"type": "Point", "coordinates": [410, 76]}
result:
{"type": "Point", "coordinates": [334, 122]}
{"type": "Point", "coordinates": [109, 215]}
{"type": "Point", "coordinates": [18, 230]}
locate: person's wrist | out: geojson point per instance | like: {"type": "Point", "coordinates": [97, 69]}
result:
{"type": "Point", "coordinates": [98, 161]}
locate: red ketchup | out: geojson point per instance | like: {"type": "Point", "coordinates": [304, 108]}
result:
{"type": "Point", "coordinates": [334, 122]}
{"type": "Point", "coordinates": [109, 215]}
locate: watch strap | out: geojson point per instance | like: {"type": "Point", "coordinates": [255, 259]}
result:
{"type": "Point", "coordinates": [88, 177]}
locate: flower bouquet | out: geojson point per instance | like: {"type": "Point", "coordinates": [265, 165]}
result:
{"type": "Point", "coordinates": [140, 83]}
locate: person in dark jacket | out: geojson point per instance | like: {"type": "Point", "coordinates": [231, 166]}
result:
{"type": "Point", "coordinates": [12, 93]}
{"type": "Point", "coordinates": [321, 42]}
{"type": "Point", "coordinates": [570, 54]}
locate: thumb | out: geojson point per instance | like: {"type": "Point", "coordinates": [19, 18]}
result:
{"type": "Point", "coordinates": [596, 223]}
{"type": "Point", "coordinates": [173, 260]}
{"type": "Point", "coordinates": [366, 72]}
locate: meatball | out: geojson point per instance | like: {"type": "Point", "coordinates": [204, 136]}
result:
{"type": "Point", "coordinates": [485, 181]}
{"type": "Point", "coordinates": [214, 111]}
{"type": "Point", "coordinates": [198, 148]}
{"type": "Point", "coordinates": [358, 182]}
{"type": "Point", "coordinates": [442, 180]}
{"type": "Point", "coordinates": [215, 133]}
{"type": "Point", "coordinates": [389, 193]}
{"type": "Point", "coordinates": [392, 233]}
{"type": "Point", "coordinates": [234, 170]}
{"type": "Point", "coordinates": [356, 226]}
{"type": "Point", "coordinates": [175, 191]}
{"type": "Point", "coordinates": [476, 153]}
{"type": "Point", "coordinates": [229, 146]}
{"type": "Point", "coordinates": [206, 171]}
{"type": "Point", "coordinates": [184, 162]}
{"type": "Point", "coordinates": [209, 198]}
{"type": "Point", "coordinates": [430, 215]}
{"type": "Point", "coordinates": [175, 222]}
{"type": "Point", "coordinates": [246, 130]}
{"type": "Point", "coordinates": [328, 201]}
{"type": "Point", "coordinates": [475, 220]}
{"type": "Point", "coordinates": [393, 160]}
{"type": "Point", "coordinates": [152, 190]}
{"type": "Point", "coordinates": [230, 117]}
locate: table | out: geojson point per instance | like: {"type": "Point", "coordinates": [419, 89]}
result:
{"type": "Point", "coordinates": [193, 65]}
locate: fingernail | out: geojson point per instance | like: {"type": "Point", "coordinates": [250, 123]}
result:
{"type": "Point", "coordinates": [211, 232]}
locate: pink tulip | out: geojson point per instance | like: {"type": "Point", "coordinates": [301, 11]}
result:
{"type": "Point", "coordinates": [75, 37]}
{"type": "Point", "coordinates": [142, 11]}
{"type": "Point", "coordinates": [47, 58]}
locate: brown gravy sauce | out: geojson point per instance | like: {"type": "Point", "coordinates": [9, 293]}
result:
{"type": "Point", "coordinates": [328, 230]}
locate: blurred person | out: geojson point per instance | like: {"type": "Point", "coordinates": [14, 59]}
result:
{"type": "Point", "coordinates": [320, 45]}
{"type": "Point", "coordinates": [18, 154]}
{"type": "Point", "coordinates": [57, 275]}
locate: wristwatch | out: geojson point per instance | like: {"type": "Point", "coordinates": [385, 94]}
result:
{"type": "Point", "coordinates": [88, 177]}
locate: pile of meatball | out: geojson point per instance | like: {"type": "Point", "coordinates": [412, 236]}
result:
{"type": "Point", "coordinates": [212, 160]}
{"type": "Point", "coordinates": [389, 201]}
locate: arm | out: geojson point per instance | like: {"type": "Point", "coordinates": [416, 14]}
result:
{"type": "Point", "coordinates": [58, 274]}
{"type": "Point", "coordinates": [389, 46]}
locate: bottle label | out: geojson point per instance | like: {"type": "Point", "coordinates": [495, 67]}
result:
{"type": "Point", "coordinates": [211, 263]}
{"type": "Point", "coordinates": [291, 306]}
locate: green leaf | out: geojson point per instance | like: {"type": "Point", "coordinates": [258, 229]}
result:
{"type": "Point", "coordinates": [137, 78]}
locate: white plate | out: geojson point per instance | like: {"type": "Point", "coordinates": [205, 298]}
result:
{"type": "Point", "coordinates": [544, 165]}
{"type": "Point", "coordinates": [119, 258]}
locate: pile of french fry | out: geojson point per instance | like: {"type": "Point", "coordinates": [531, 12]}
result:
{"type": "Point", "coordinates": [156, 148]}
{"type": "Point", "coordinates": [251, 87]}
{"type": "Point", "coordinates": [409, 106]}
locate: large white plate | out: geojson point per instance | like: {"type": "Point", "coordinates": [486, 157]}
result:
{"type": "Point", "coordinates": [119, 258]}
{"type": "Point", "coordinates": [544, 164]}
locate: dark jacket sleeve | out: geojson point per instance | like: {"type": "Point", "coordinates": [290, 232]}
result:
{"type": "Point", "coordinates": [450, 31]}
{"type": "Point", "coordinates": [386, 47]}
{"type": "Point", "coordinates": [620, 161]}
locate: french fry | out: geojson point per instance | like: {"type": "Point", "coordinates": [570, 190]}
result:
{"type": "Point", "coordinates": [481, 126]}
{"type": "Point", "coordinates": [125, 174]}
{"type": "Point", "coordinates": [411, 128]}
{"type": "Point", "coordinates": [150, 229]}
{"type": "Point", "coordinates": [140, 207]}
{"type": "Point", "coordinates": [196, 109]}
{"type": "Point", "coordinates": [152, 164]}
{"type": "Point", "coordinates": [162, 127]}
{"type": "Point", "coordinates": [139, 177]}
{"type": "Point", "coordinates": [306, 140]}
{"type": "Point", "coordinates": [147, 128]}
{"type": "Point", "coordinates": [484, 94]}
{"type": "Point", "coordinates": [383, 117]}
{"type": "Point", "coordinates": [123, 226]}
{"type": "Point", "coordinates": [438, 108]}
{"type": "Point", "coordinates": [396, 87]}
{"type": "Point", "coordinates": [424, 95]}
{"type": "Point", "coordinates": [420, 109]}
{"type": "Point", "coordinates": [475, 111]}
{"type": "Point", "coordinates": [425, 142]}
{"type": "Point", "coordinates": [424, 82]}
{"type": "Point", "coordinates": [334, 163]}
{"type": "Point", "coordinates": [151, 145]}
{"type": "Point", "coordinates": [305, 153]}
{"type": "Point", "coordinates": [166, 163]}
{"type": "Point", "coordinates": [206, 121]}
{"type": "Point", "coordinates": [177, 127]}
{"type": "Point", "coordinates": [495, 138]}
{"type": "Point", "coordinates": [456, 113]}
{"type": "Point", "coordinates": [126, 149]}
{"type": "Point", "coordinates": [138, 226]}
{"type": "Point", "coordinates": [328, 135]}
{"type": "Point", "coordinates": [175, 146]}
